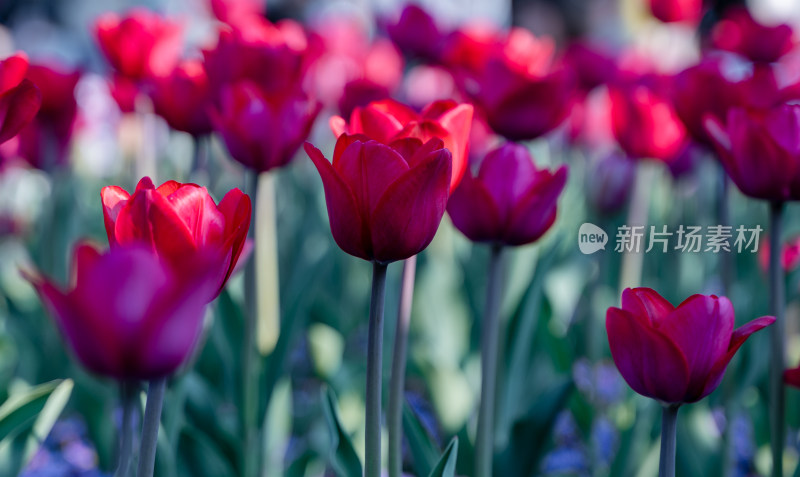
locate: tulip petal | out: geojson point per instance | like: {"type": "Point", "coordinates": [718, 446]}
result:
{"type": "Point", "coordinates": [237, 209]}
{"type": "Point", "coordinates": [19, 106]}
{"type": "Point", "coordinates": [148, 218]}
{"type": "Point", "coordinates": [473, 211]}
{"type": "Point", "coordinates": [458, 122]}
{"type": "Point", "coordinates": [368, 168]}
{"type": "Point", "coordinates": [738, 338]}
{"type": "Point", "coordinates": [198, 211]}
{"type": "Point", "coordinates": [701, 327]}
{"type": "Point", "coordinates": [12, 71]}
{"type": "Point", "coordinates": [650, 363]}
{"type": "Point", "coordinates": [646, 302]}
{"type": "Point", "coordinates": [338, 125]}
{"type": "Point", "coordinates": [347, 225]}
{"type": "Point", "coordinates": [534, 213]}
{"type": "Point", "coordinates": [408, 214]}
{"type": "Point", "coordinates": [114, 199]}
{"type": "Point", "coordinates": [507, 172]}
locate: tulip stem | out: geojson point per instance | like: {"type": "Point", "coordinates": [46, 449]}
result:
{"type": "Point", "coordinates": [490, 335]}
{"type": "Point", "coordinates": [250, 363]}
{"type": "Point", "coordinates": [127, 393]}
{"type": "Point", "coordinates": [374, 364]}
{"type": "Point", "coordinates": [397, 383]}
{"type": "Point", "coordinates": [669, 419]}
{"type": "Point", "coordinates": [777, 346]}
{"type": "Point", "coordinates": [152, 421]}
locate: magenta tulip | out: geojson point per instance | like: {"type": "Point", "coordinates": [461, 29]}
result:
{"type": "Point", "coordinates": [128, 315]}
{"type": "Point", "coordinates": [761, 150]}
{"type": "Point", "coordinates": [385, 202]}
{"type": "Point", "coordinates": [510, 201]}
{"type": "Point", "coordinates": [739, 32]}
{"type": "Point", "coordinates": [675, 354]}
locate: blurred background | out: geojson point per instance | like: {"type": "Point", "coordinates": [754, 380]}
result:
{"type": "Point", "coordinates": [564, 410]}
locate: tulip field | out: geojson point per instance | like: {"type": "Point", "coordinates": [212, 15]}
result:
{"type": "Point", "coordinates": [342, 238]}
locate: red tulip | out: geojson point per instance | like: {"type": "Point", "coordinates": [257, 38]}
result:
{"type": "Point", "coordinates": [178, 222]}
{"type": "Point", "coordinates": [46, 139]}
{"type": "Point", "coordinates": [521, 93]}
{"type": "Point", "coordinates": [184, 98]}
{"type": "Point", "coordinates": [645, 123]}
{"type": "Point", "coordinates": [263, 131]}
{"type": "Point", "coordinates": [127, 315]}
{"type": "Point", "coordinates": [385, 202]}
{"type": "Point", "coordinates": [739, 32]}
{"type": "Point", "coordinates": [141, 44]}
{"type": "Point", "coordinates": [760, 150]}
{"type": "Point", "coordinates": [510, 201]}
{"type": "Point", "coordinates": [416, 33]}
{"type": "Point", "coordinates": [694, 99]}
{"type": "Point", "coordinates": [124, 91]}
{"type": "Point", "coordinates": [669, 11]}
{"type": "Point", "coordinates": [387, 121]}
{"type": "Point", "coordinates": [675, 354]}
{"type": "Point", "coordinates": [20, 99]}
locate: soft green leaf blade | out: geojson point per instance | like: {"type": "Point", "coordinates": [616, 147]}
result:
{"type": "Point", "coordinates": [20, 410]}
{"type": "Point", "coordinates": [423, 450]}
{"type": "Point", "coordinates": [446, 467]}
{"type": "Point", "coordinates": [53, 407]}
{"type": "Point", "coordinates": [343, 458]}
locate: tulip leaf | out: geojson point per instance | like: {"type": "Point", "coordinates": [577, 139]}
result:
{"type": "Point", "coordinates": [30, 416]}
{"type": "Point", "coordinates": [423, 449]}
{"type": "Point", "coordinates": [343, 458]}
{"type": "Point", "coordinates": [446, 467]}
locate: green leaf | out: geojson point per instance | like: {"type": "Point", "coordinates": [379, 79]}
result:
{"type": "Point", "coordinates": [423, 449]}
{"type": "Point", "coordinates": [343, 458]}
{"type": "Point", "coordinates": [19, 412]}
{"type": "Point", "coordinates": [446, 467]}
{"type": "Point", "coordinates": [28, 418]}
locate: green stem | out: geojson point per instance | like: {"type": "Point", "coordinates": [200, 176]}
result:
{"type": "Point", "coordinates": [374, 363]}
{"type": "Point", "coordinates": [397, 384]}
{"type": "Point", "coordinates": [669, 419]}
{"type": "Point", "coordinates": [490, 336]}
{"type": "Point", "coordinates": [152, 421]}
{"type": "Point", "coordinates": [250, 362]}
{"type": "Point", "coordinates": [777, 345]}
{"type": "Point", "coordinates": [127, 393]}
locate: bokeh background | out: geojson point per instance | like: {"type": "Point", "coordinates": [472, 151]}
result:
{"type": "Point", "coordinates": [564, 410]}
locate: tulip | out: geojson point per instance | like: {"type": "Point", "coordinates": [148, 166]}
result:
{"type": "Point", "coordinates": [521, 93]}
{"type": "Point", "coordinates": [141, 44]}
{"type": "Point", "coordinates": [592, 65]}
{"type": "Point", "coordinates": [740, 33]}
{"type": "Point", "coordinates": [20, 99]}
{"type": "Point", "coordinates": [645, 123]}
{"type": "Point", "coordinates": [416, 33]}
{"type": "Point", "coordinates": [131, 316]}
{"type": "Point", "coordinates": [510, 201]}
{"type": "Point", "coordinates": [388, 121]}
{"type": "Point", "coordinates": [385, 202]}
{"type": "Point", "coordinates": [674, 355]}
{"type": "Point", "coordinates": [236, 12]}
{"type": "Point", "coordinates": [760, 151]}
{"type": "Point", "coordinates": [128, 315]}
{"type": "Point", "coordinates": [184, 98]}
{"type": "Point", "coordinates": [359, 93]}
{"type": "Point", "coordinates": [789, 256]}
{"type": "Point", "coordinates": [177, 222]}
{"type": "Point", "coordinates": [263, 131]}
{"type": "Point", "coordinates": [792, 377]}
{"type": "Point", "coordinates": [669, 11]}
